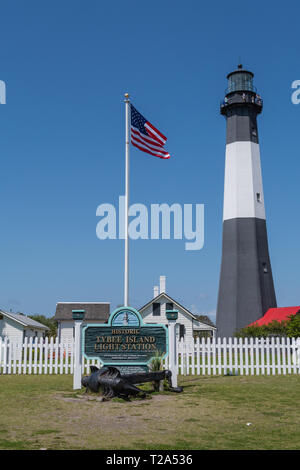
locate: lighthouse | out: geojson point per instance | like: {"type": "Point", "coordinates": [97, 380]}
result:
{"type": "Point", "coordinates": [246, 289]}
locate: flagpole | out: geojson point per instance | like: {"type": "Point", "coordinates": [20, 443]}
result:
{"type": "Point", "coordinates": [127, 144]}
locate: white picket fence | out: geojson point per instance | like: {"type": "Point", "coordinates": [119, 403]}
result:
{"type": "Point", "coordinates": [232, 356]}
{"type": "Point", "coordinates": [39, 356]}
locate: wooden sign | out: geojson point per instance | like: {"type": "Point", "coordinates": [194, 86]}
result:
{"type": "Point", "coordinates": [125, 341]}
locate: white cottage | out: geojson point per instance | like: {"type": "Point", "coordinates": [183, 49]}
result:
{"type": "Point", "coordinates": [189, 325]}
{"type": "Point", "coordinates": [16, 327]}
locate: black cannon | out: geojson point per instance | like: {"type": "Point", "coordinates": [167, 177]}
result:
{"type": "Point", "coordinates": [112, 384]}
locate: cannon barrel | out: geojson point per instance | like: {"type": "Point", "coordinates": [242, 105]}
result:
{"type": "Point", "coordinates": [147, 377]}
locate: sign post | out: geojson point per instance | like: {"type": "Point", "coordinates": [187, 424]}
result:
{"type": "Point", "coordinates": [125, 342]}
{"type": "Point", "coordinates": [172, 316]}
{"type": "Point", "coordinates": [78, 316]}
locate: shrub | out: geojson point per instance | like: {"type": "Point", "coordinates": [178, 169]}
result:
{"type": "Point", "coordinates": [156, 365]}
{"type": "Point", "coordinates": [293, 326]}
{"type": "Point", "coordinates": [275, 328]}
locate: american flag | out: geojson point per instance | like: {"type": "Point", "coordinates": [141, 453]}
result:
{"type": "Point", "coordinates": [146, 137]}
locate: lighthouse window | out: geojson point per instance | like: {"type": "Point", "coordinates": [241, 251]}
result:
{"type": "Point", "coordinates": [240, 81]}
{"type": "Point", "coordinates": [265, 268]}
{"type": "Point", "coordinates": [156, 309]}
{"type": "Point", "coordinates": [258, 197]}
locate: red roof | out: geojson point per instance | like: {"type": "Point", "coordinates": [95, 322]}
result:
{"type": "Point", "coordinates": [278, 314]}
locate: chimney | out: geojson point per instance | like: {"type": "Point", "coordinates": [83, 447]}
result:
{"type": "Point", "coordinates": [155, 291]}
{"type": "Point", "coordinates": [162, 284]}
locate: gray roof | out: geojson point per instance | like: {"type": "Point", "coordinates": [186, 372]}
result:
{"type": "Point", "coordinates": [94, 311]}
{"type": "Point", "coordinates": [26, 321]}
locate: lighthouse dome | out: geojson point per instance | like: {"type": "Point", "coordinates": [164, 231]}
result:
{"type": "Point", "coordinates": [240, 80]}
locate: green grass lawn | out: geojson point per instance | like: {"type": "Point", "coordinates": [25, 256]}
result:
{"type": "Point", "coordinates": [43, 412]}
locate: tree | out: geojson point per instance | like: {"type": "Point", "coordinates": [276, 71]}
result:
{"type": "Point", "coordinates": [293, 326]}
{"type": "Point", "coordinates": [50, 322]}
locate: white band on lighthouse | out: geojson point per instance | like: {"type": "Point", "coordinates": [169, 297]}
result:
{"type": "Point", "coordinates": [243, 195]}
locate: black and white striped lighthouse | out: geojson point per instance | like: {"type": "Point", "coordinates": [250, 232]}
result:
{"type": "Point", "coordinates": [246, 289]}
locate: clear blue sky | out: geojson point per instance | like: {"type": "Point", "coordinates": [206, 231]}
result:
{"type": "Point", "coordinates": [67, 65]}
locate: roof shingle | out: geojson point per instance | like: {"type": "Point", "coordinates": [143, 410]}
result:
{"type": "Point", "coordinates": [94, 311]}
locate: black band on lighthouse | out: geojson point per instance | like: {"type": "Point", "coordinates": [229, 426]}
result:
{"type": "Point", "coordinates": [246, 283]}
{"type": "Point", "coordinates": [241, 125]}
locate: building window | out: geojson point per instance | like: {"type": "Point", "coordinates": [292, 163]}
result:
{"type": "Point", "coordinates": [169, 306]}
{"type": "Point", "coordinates": [258, 197]}
{"type": "Point", "coordinates": [181, 331]}
{"type": "Point", "coordinates": [202, 334]}
{"type": "Point", "coordinates": [156, 309]}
